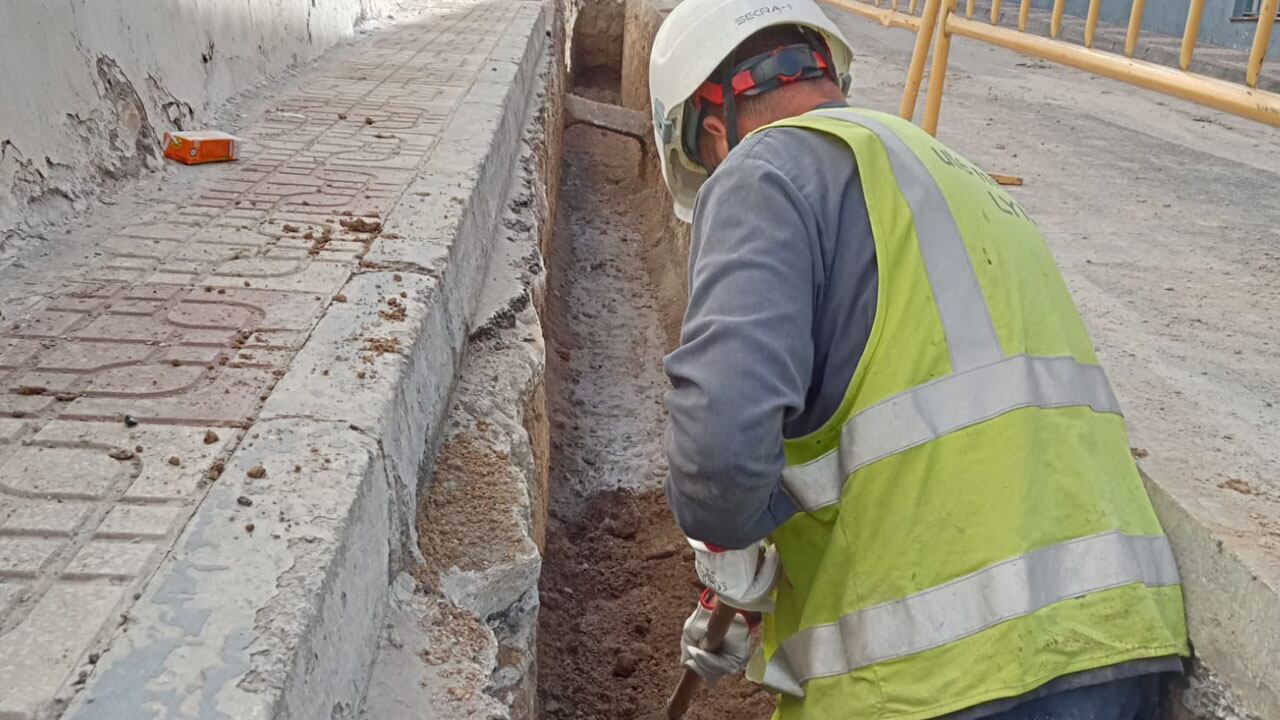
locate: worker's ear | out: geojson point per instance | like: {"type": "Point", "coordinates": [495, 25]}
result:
{"type": "Point", "coordinates": [714, 127]}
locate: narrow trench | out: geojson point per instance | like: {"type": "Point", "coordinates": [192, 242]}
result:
{"type": "Point", "coordinates": [617, 578]}
{"type": "Point", "coordinates": [596, 51]}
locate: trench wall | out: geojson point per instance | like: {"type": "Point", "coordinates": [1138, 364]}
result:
{"type": "Point", "coordinates": [642, 20]}
{"type": "Point", "coordinates": [459, 638]}
{"type": "Point", "coordinates": [90, 86]}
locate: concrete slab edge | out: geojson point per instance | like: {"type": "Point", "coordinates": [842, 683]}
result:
{"type": "Point", "coordinates": [271, 603]}
{"type": "Point", "coordinates": [460, 634]}
{"type": "Point", "coordinates": [1231, 614]}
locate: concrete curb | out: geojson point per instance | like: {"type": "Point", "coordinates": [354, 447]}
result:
{"type": "Point", "coordinates": [271, 603]}
{"type": "Point", "coordinates": [459, 638]}
{"type": "Point", "coordinates": [1228, 606]}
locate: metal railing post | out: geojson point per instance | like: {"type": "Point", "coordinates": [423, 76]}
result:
{"type": "Point", "coordinates": [1055, 27]}
{"type": "Point", "coordinates": [1135, 26]}
{"type": "Point", "coordinates": [907, 109]}
{"type": "Point", "coordinates": [1091, 22]}
{"type": "Point", "coordinates": [1024, 13]}
{"type": "Point", "coordinates": [938, 73]}
{"type": "Point", "coordinates": [1261, 38]}
{"type": "Point", "coordinates": [1192, 33]}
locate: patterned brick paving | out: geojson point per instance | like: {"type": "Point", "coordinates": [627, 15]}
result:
{"type": "Point", "coordinates": [122, 394]}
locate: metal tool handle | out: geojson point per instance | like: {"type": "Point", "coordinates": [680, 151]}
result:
{"type": "Point", "coordinates": [717, 627]}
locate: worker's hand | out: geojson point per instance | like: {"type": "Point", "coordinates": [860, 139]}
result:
{"type": "Point", "coordinates": [739, 645]}
{"type": "Point", "coordinates": [742, 578]}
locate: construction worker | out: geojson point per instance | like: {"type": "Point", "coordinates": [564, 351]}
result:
{"type": "Point", "coordinates": [890, 436]}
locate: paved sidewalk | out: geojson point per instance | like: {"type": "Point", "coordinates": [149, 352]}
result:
{"type": "Point", "coordinates": [127, 383]}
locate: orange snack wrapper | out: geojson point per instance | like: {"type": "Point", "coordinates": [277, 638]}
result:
{"type": "Point", "coordinates": [204, 146]}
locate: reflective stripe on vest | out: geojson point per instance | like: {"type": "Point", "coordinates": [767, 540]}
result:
{"type": "Point", "coordinates": [968, 605]}
{"type": "Point", "coordinates": [983, 383]}
{"type": "Point", "coordinates": [948, 404]}
{"type": "Point", "coordinates": [966, 323]}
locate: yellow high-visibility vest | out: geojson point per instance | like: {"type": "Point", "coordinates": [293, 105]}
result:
{"type": "Point", "coordinates": [974, 525]}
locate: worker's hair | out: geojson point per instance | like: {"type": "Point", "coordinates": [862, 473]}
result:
{"type": "Point", "coordinates": [767, 105]}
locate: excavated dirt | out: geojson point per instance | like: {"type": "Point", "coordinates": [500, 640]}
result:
{"type": "Point", "coordinates": [468, 474]}
{"type": "Point", "coordinates": [617, 579]}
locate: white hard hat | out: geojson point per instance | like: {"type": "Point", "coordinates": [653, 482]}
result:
{"type": "Point", "coordinates": [691, 43]}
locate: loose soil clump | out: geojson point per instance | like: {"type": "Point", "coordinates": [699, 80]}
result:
{"type": "Point", "coordinates": [614, 601]}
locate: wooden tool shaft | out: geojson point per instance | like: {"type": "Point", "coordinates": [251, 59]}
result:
{"type": "Point", "coordinates": [717, 627]}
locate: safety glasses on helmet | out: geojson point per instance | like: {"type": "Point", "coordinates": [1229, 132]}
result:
{"type": "Point", "coordinates": [754, 76]}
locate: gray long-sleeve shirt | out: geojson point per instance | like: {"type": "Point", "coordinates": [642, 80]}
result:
{"type": "Point", "coordinates": [782, 295]}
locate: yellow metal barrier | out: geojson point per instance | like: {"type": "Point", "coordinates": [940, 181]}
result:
{"type": "Point", "coordinates": [1261, 38]}
{"type": "Point", "coordinates": [1091, 23]}
{"type": "Point", "coordinates": [889, 17]}
{"type": "Point", "coordinates": [940, 19]}
{"type": "Point", "coordinates": [1135, 26]}
{"type": "Point", "coordinates": [923, 27]}
{"type": "Point", "coordinates": [1194, 13]}
{"type": "Point", "coordinates": [938, 73]}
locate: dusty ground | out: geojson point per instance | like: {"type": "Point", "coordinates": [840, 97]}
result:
{"type": "Point", "coordinates": [616, 589]}
{"type": "Point", "coordinates": [618, 580]}
{"type": "Point", "coordinates": [605, 379]}
{"type": "Point", "coordinates": [601, 84]}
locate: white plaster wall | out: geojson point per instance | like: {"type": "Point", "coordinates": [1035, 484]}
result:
{"type": "Point", "coordinates": [87, 87]}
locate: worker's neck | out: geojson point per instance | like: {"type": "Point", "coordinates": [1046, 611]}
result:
{"type": "Point", "coordinates": [799, 99]}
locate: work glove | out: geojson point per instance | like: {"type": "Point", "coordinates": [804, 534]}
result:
{"type": "Point", "coordinates": [740, 644]}
{"type": "Point", "coordinates": [742, 578]}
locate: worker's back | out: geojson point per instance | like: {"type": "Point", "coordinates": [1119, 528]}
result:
{"type": "Point", "coordinates": [974, 525]}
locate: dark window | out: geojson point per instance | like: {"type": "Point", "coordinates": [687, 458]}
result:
{"type": "Point", "coordinates": [1248, 10]}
